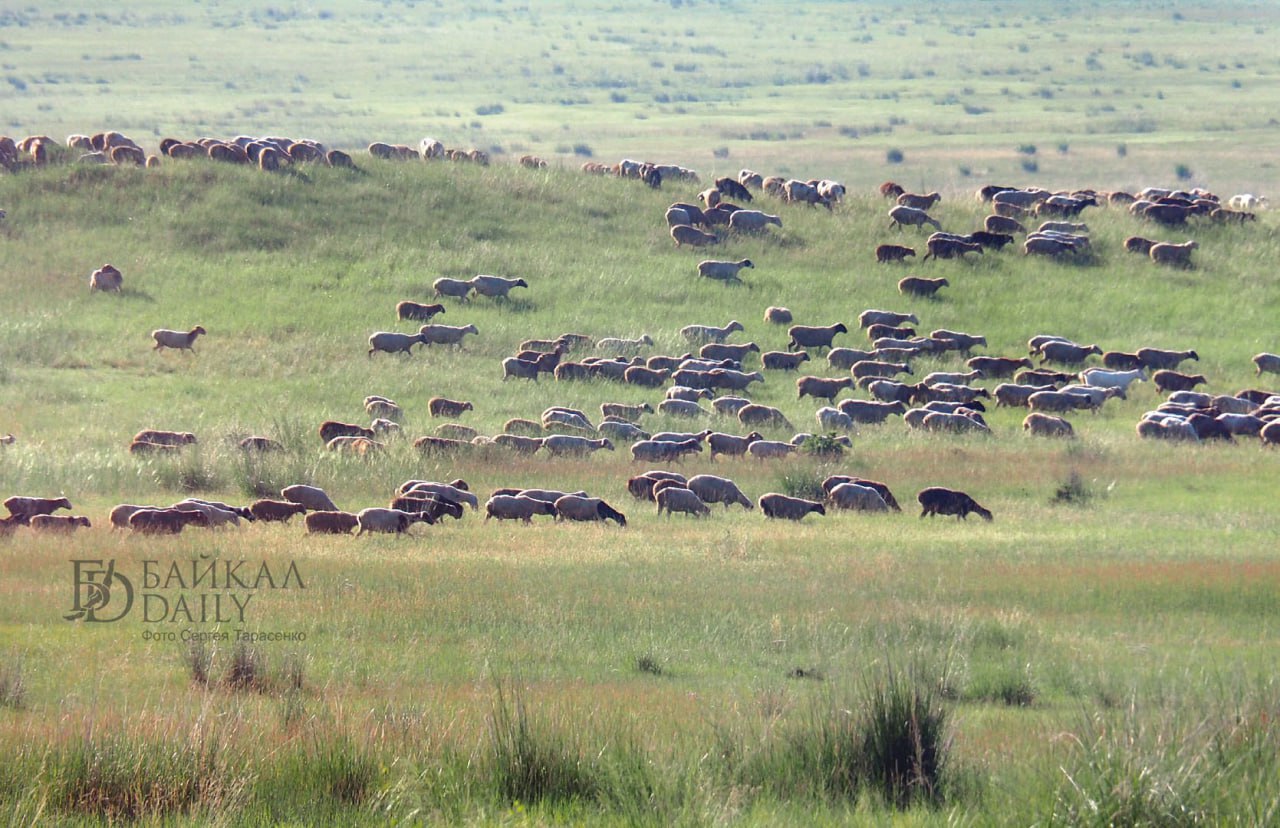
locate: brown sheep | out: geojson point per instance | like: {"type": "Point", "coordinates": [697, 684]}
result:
{"type": "Point", "coordinates": [777, 316]}
{"type": "Point", "coordinates": [178, 340]}
{"type": "Point", "coordinates": [920, 286]}
{"type": "Point", "coordinates": [444, 407]}
{"type": "Point", "coordinates": [1046, 425]}
{"type": "Point", "coordinates": [417, 311]}
{"type": "Point", "coordinates": [168, 438]}
{"type": "Point", "coordinates": [1172, 254]}
{"type": "Point", "coordinates": [331, 523]}
{"type": "Point", "coordinates": [106, 279]}
{"type": "Point", "coordinates": [919, 202]}
{"type": "Point", "coordinates": [890, 189]}
{"type": "Point", "coordinates": [1166, 381]}
{"type": "Point", "coordinates": [330, 429]}
{"type": "Point", "coordinates": [165, 521]}
{"type": "Point", "coordinates": [279, 511]}
{"type": "Point", "coordinates": [886, 253]}
{"type": "Point", "coordinates": [1003, 224]}
{"type": "Point", "coordinates": [684, 234]}
{"type": "Point", "coordinates": [58, 523]}
{"type": "Point", "coordinates": [1139, 245]}
{"type": "Point", "coordinates": [937, 500]}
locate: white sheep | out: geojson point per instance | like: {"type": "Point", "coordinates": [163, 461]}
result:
{"type": "Point", "coordinates": [769, 449]}
{"type": "Point", "coordinates": [682, 408]}
{"type": "Point", "coordinates": [180, 340]}
{"type": "Point", "coordinates": [712, 489]}
{"type": "Point", "coordinates": [855, 497]}
{"type": "Point", "coordinates": [1103, 378]}
{"type": "Point", "coordinates": [723, 271]}
{"type": "Point", "coordinates": [615, 344]}
{"type": "Point", "coordinates": [394, 343]}
{"type": "Point", "coordinates": [710, 333]}
{"type": "Point", "coordinates": [903, 216]}
{"type": "Point", "coordinates": [495, 286]}
{"type": "Point", "coordinates": [752, 220]}
{"type": "Point", "coordinates": [453, 288]}
{"type": "Point", "coordinates": [445, 334]}
{"type": "Point", "coordinates": [833, 419]}
{"type": "Point", "coordinates": [441, 490]}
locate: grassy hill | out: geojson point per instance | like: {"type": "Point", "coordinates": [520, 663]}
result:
{"type": "Point", "coordinates": [669, 661]}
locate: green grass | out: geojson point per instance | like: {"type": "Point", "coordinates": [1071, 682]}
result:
{"type": "Point", "coordinates": [1091, 656]}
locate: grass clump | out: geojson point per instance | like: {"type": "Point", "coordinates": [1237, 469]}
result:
{"type": "Point", "coordinates": [1073, 491]}
{"type": "Point", "coordinates": [799, 483]}
{"type": "Point", "coordinates": [533, 761]}
{"type": "Point", "coordinates": [13, 684]}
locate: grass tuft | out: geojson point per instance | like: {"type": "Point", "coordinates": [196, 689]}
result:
{"type": "Point", "coordinates": [13, 684]}
{"type": "Point", "coordinates": [532, 761]}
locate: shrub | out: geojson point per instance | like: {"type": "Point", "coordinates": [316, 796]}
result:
{"type": "Point", "coordinates": [894, 156]}
{"type": "Point", "coordinates": [490, 109]}
{"type": "Point", "coordinates": [531, 761]}
{"type": "Point", "coordinates": [801, 484]}
{"type": "Point", "coordinates": [1182, 171]}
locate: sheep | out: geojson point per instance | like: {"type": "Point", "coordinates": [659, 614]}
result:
{"type": "Point", "coordinates": [178, 340]}
{"type": "Point", "coordinates": [996, 241]}
{"type": "Point", "coordinates": [119, 515]}
{"type": "Point", "coordinates": [58, 523]}
{"type": "Point", "coordinates": [845, 358]}
{"type": "Point", "coordinates": [750, 178]}
{"type": "Point", "coordinates": [390, 521]}
{"type": "Point", "coordinates": [1021, 198]}
{"type": "Point", "coordinates": [1047, 246]}
{"type": "Point", "coordinates": [330, 429]}
{"type": "Point", "coordinates": [946, 340]}
{"type": "Point", "coordinates": [756, 414]}
{"type": "Point", "coordinates": [750, 221]}
{"type": "Point", "coordinates": [167, 438]}
{"type": "Point", "coordinates": [495, 286]}
{"type": "Point", "coordinates": [872, 316]}
{"type": "Point", "coordinates": [623, 431]}
{"type": "Point", "coordinates": [1173, 254]}
{"type": "Point", "coordinates": [445, 334]}
{"type": "Point", "coordinates": [919, 202]}
{"type": "Point", "coordinates": [456, 431]}
{"type": "Point", "coordinates": [693, 211]}
{"type": "Point", "coordinates": [581, 508]}
{"type": "Point", "coordinates": [951, 377]}
{"type": "Point", "coordinates": [734, 380]}
{"type": "Point", "coordinates": [520, 368]}
{"type": "Point", "coordinates": [1062, 227]}
{"type": "Point", "coordinates": [276, 510]}
{"type": "Point", "coordinates": [856, 497]}
{"type": "Point", "coordinates": [1169, 215]}
{"type": "Point", "coordinates": [219, 514]}
{"type": "Point", "coordinates": [682, 392]}
{"type": "Point", "coordinates": [416, 311]}
{"type": "Point", "coordinates": [312, 497]}
{"type": "Point", "coordinates": [807, 336]}
{"type": "Point", "coordinates": [1166, 381]}
{"type": "Point", "coordinates": [1267, 362]}
{"type": "Point", "coordinates": [794, 191]}
{"type": "Point", "coordinates": [564, 445]}
{"type": "Point", "coordinates": [712, 489]}
{"type": "Point", "coordinates": [428, 444]}
{"type": "Point", "coordinates": [1067, 353]}
{"type": "Point", "coordinates": [886, 253]}
{"type": "Point", "coordinates": [961, 421]}
{"type": "Point", "coordinates": [775, 505]}
{"type": "Point", "coordinates": [520, 444]}
{"type": "Point", "coordinates": [381, 407]}
{"type": "Point", "coordinates": [1040, 377]}
{"type": "Point", "coordinates": [1247, 201]}
{"type": "Point", "coordinates": [614, 344]}
{"type": "Point", "coordinates": [1058, 401]}
{"type": "Point", "coordinates": [871, 412]}
{"type": "Point", "coordinates": [1270, 433]}
{"type": "Point", "coordinates": [107, 279]}
{"type": "Point", "coordinates": [682, 408]}
{"type": "Point", "coordinates": [1046, 425]}
{"type": "Point", "coordinates": [673, 498]}
{"type": "Point", "coordinates": [1017, 396]}
{"type": "Point", "coordinates": [833, 419]}
{"type": "Point", "coordinates": [889, 335]}
{"type": "Point", "coordinates": [393, 343]}
{"type": "Point", "coordinates": [730, 445]}
{"type": "Point", "coordinates": [1241, 424]}
{"type": "Point", "coordinates": [723, 271]}
{"type": "Point", "coordinates": [683, 234]}
{"type": "Point", "coordinates": [453, 288]}
{"type": "Point", "coordinates": [331, 522]}
{"type": "Point", "coordinates": [678, 215]}
{"type": "Point", "coordinates": [710, 333]}
{"type": "Point", "coordinates": [256, 443]}
{"type": "Point", "coordinates": [165, 521]}
{"type": "Point", "coordinates": [777, 316]}
{"type": "Point", "coordinates": [875, 368]}
{"type": "Point", "coordinates": [1157, 358]}
{"type": "Point", "coordinates": [445, 407]}
{"type": "Point", "coordinates": [1168, 429]}
{"type": "Point", "coordinates": [1102, 378]}
{"type": "Point", "coordinates": [641, 485]}
{"type": "Point", "coordinates": [568, 417]}
{"type": "Point", "coordinates": [24, 508]}
{"type": "Point", "coordinates": [937, 500]}
{"type": "Point", "coordinates": [997, 367]}
{"type": "Point", "coordinates": [890, 189]}
{"type": "Point", "coordinates": [902, 216]}
{"type": "Point", "coordinates": [453, 492]}
{"type": "Point", "coordinates": [942, 246]}
{"type": "Point", "coordinates": [769, 449]}
{"type": "Point", "coordinates": [821, 387]}
{"type": "Point", "coordinates": [516, 507]}
{"type": "Point", "coordinates": [660, 451]}
{"type": "Point", "coordinates": [783, 360]}
{"type": "Point", "coordinates": [1003, 224]}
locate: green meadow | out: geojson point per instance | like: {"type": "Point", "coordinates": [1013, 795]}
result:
{"type": "Point", "coordinates": [1101, 653]}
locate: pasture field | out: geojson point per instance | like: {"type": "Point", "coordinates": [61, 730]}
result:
{"type": "Point", "coordinates": [1132, 92]}
{"type": "Point", "coordinates": [1104, 648]}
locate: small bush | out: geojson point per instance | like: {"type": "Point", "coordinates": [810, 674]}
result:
{"type": "Point", "coordinates": [648, 663]}
{"type": "Point", "coordinates": [894, 156]}
{"type": "Point", "coordinates": [490, 109]}
{"type": "Point", "coordinates": [532, 762]}
{"type": "Point", "coordinates": [720, 152]}
{"type": "Point", "coordinates": [198, 659]}
{"type": "Point", "coordinates": [1183, 172]}
{"type": "Point", "coordinates": [1027, 149]}
{"type": "Point", "coordinates": [1122, 150]}
{"type": "Point", "coordinates": [1073, 491]}
{"type": "Point", "coordinates": [583, 150]}
{"type": "Point", "coordinates": [247, 671]}
{"type": "Point", "coordinates": [822, 445]}
{"type": "Point", "coordinates": [801, 484]}
{"type": "Point", "coordinates": [904, 744]}
{"type": "Point", "coordinates": [1029, 165]}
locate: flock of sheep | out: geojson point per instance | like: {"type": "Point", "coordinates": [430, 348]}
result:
{"type": "Point", "coordinates": [715, 371]}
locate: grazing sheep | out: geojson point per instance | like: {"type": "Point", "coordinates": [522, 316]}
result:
{"type": "Point", "coordinates": [179, 340]}
{"type": "Point", "coordinates": [119, 515]}
{"type": "Point", "coordinates": [682, 408]}
{"type": "Point", "coordinates": [518, 443]}
{"type": "Point", "coordinates": [24, 508]}
{"type": "Point", "coordinates": [777, 316]}
{"type": "Point", "coordinates": [919, 202]}
{"type": "Point", "coordinates": [58, 523]}
{"type": "Point", "coordinates": [312, 497]}
{"type": "Point", "coordinates": [1157, 358]}
{"type": "Point", "coordinates": [382, 407]}
{"type": "Point", "coordinates": [495, 286]}
{"type": "Point", "coordinates": [879, 488]}
{"type": "Point", "coordinates": [565, 445]}
{"type": "Point", "coordinates": [821, 388]}
{"type": "Point", "coordinates": [673, 498]}
{"type": "Point", "coordinates": [730, 445]}
{"type": "Point", "coordinates": [165, 521]}
{"type": "Point", "coordinates": [516, 507]}
{"type": "Point", "coordinates": [887, 253]}
{"type": "Point", "coordinates": [712, 489]}
{"type": "Point", "coordinates": [756, 414]}
{"type": "Point", "coordinates": [683, 234]}
{"type": "Point", "coordinates": [520, 368]}
{"type": "Point", "coordinates": [453, 288]}
{"type": "Point", "coordinates": [856, 497]}
{"type": "Point", "coordinates": [660, 450]}
{"type": "Point", "coordinates": [106, 279]}
{"type": "Point", "coordinates": [1266, 362]}
{"type": "Point", "coordinates": [452, 492]}
{"type": "Point", "coordinates": [937, 500]}
{"type": "Point", "coordinates": [390, 521]}
{"type": "Point", "coordinates": [806, 336]}
{"type": "Point", "coordinates": [444, 407]}
{"type": "Point", "coordinates": [1102, 378]}
{"type": "Point", "coordinates": [255, 443]}
{"type": "Point", "coordinates": [710, 333]}
{"type": "Point", "coordinates": [331, 523]}
{"type": "Point", "coordinates": [723, 271]}
{"type": "Point", "coordinates": [1066, 353]}
{"type": "Point", "coordinates": [961, 421]}
{"type": "Point", "coordinates": [581, 508]}
{"type": "Point", "coordinates": [1046, 425]}
{"type": "Point", "coordinates": [733, 188]}
{"type": "Point", "coordinates": [445, 334]}
{"type": "Point", "coordinates": [428, 444]}
{"type": "Point", "coordinates": [872, 316]}
{"type": "Point", "coordinates": [1166, 381]}
{"type": "Point", "coordinates": [1003, 224]}
{"type": "Point", "coordinates": [416, 311]}
{"type": "Point", "coordinates": [783, 360]}
{"type": "Point", "coordinates": [775, 505]}
{"type": "Point", "coordinates": [770, 449]}
{"type": "Point", "coordinates": [627, 412]}
{"type": "Point", "coordinates": [751, 221]}
{"type": "Point", "coordinates": [871, 412]}
{"type": "Point", "coordinates": [456, 431]}
{"type": "Point", "coordinates": [276, 510]}
{"type": "Point", "coordinates": [902, 216]}
{"type": "Point", "coordinates": [998, 367]}
{"type": "Point", "coordinates": [642, 485]}
{"type": "Point", "coordinates": [166, 438]}
{"type": "Point", "coordinates": [833, 419]}
{"type": "Point", "coordinates": [1172, 254]}
{"type": "Point", "coordinates": [947, 246]}
{"type": "Point", "coordinates": [330, 429]}
{"type": "Point", "coordinates": [394, 343]}
{"type": "Point", "coordinates": [362, 446]}
{"type": "Point", "coordinates": [1270, 433]}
